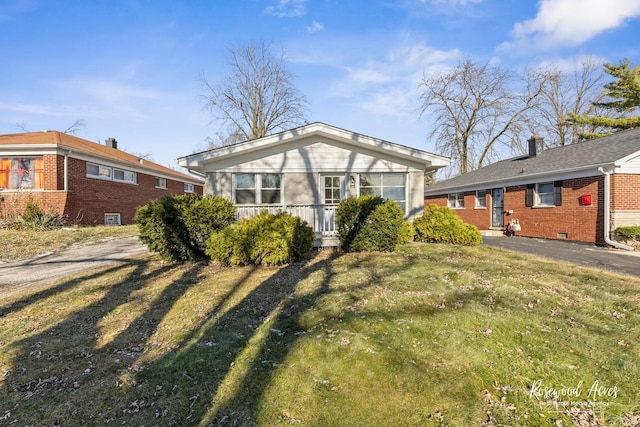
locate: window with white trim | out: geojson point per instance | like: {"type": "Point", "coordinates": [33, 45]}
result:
{"type": "Point", "coordinates": [481, 199]}
{"type": "Point", "coordinates": [113, 174]}
{"type": "Point", "coordinates": [22, 173]}
{"type": "Point", "coordinates": [189, 188]}
{"type": "Point", "coordinates": [456, 200]}
{"type": "Point", "coordinates": [98, 171]}
{"type": "Point", "coordinates": [124, 176]}
{"type": "Point", "coordinates": [544, 194]}
{"type": "Point", "coordinates": [257, 189]}
{"type": "Point", "coordinates": [391, 186]}
{"type": "Point", "coordinates": [161, 182]}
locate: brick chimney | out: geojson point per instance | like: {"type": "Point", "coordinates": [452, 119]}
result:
{"type": "Point", "coordinates": [111, 142]}
{"type": "Point", "coordinates": [536, 145]}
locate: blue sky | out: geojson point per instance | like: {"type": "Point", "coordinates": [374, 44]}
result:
{"type": "Point", "coordinates": [131, 69]}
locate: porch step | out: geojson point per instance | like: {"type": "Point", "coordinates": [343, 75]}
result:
{"type": "Point", "coordinates": [492, 232]}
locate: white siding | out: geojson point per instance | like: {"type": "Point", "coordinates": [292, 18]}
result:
{"type": "Point", "coordinates": [315, 154]}
{"type": "Point", "coordinates": [630, 165]}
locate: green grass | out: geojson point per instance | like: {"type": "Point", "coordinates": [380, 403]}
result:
{"type": "Point", "coordinates": [429, 335]}
{"type": "Point", "coordinates": [25, 244]}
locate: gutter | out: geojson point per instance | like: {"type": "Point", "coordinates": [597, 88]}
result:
{"type": "Point", "coordinates": [512, 180]}
{"type": "Point", "coordinates": [607, 212]}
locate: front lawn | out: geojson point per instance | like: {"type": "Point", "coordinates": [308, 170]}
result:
{"type": "Point", "coordinates": [428, 335]}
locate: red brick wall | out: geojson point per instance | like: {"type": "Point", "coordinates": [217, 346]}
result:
{"type": "Point", "coordinates": [625, 192]}
{"type": "Point", "coordinates": [88, 199]}
{"type": "Point", "coordinates": [576, 221]}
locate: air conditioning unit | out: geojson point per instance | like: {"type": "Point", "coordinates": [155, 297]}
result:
{"type": "Point", "coordinates": [112, 219]}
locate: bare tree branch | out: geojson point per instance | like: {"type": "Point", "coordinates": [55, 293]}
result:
{"type": "Point", "coordinates": [475, 110]}
{"type": "Point", "coordinates": [256, 97]}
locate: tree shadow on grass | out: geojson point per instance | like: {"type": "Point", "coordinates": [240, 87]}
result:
{"type": "Point", "coordinates": [48, 381]}
{"type": "Point", "coordinates": [223, 374]}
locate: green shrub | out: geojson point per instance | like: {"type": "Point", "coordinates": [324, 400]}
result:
{"type": "Point", "coordinates": [33, 218]}
{"type": "Point", "coordinates": [266, 239]}
{"type": "Point", "coordinates": [406, 232]}
{"type": "Point", "coordinates": [369, 223]}
{"type": "Point", "coordinates": [178, 227]}
{"type": "Point", "coordinates": [442, 225]}
{"type": "Point", "coordinates": [631, 232]}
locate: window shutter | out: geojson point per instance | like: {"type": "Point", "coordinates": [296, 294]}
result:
{"type": "Point", "coordinates": [557, 193]}
{"type": "Point", "coordinates": [528, 198]}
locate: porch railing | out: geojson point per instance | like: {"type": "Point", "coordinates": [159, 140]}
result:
{"type": "Point", "coordinates": [322, 218]}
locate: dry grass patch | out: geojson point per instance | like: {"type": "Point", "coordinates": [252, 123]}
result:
{"type": "Point", "coordinates": [429, 335]}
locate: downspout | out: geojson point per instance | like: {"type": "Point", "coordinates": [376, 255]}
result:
{"type": "Point", "coordinates": [66, 171]}
{"type": "Point", "coordinates": [607, 212]}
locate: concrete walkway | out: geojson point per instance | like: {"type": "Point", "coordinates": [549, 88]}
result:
{"type": "Point", "coordinates": [583, 254]}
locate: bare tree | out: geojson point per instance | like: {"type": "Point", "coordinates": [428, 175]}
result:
{"type": "Point", "coordinates": [75, 127]}
{"type": "Point", "coordinates": [574, 92]}
{"type": "Point", "coordinates": [257, 95]}
{"type": "Point", "coordinates": [71, 130]}
{"type": "Point", "coordinates": [475, 111]}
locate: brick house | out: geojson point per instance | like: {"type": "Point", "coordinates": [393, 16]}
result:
{"type": "Point", "coordinates": [87, 182]}
{"type": "Point", "coordinates": [579, 192]}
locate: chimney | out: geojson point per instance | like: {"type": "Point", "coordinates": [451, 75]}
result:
{"type": "Point", "coordinates": [111, 142]}
{"type": "Point", "coordinates": [536, 145]}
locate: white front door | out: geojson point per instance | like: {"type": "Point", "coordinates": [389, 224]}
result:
{"type": "Point", "coordinates": [331, 192]}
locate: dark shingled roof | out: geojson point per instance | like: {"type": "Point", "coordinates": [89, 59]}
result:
{"type": "Point", "coordinates": [590, 153]}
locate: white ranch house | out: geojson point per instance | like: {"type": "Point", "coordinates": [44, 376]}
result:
{"type": "Point", "coordinates": [306, 171]}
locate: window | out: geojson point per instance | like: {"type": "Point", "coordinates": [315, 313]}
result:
{"type": "Point", "coordinates": [22, 173]}
{"type": "Point", "coordinates": [106, 172]}
{"type": "Point", "coordinates": [456, 200]}
{"type": "Point", "coordinates": [258, 189]}
{"type": "Point", "coordinates": [161, 182]}
{"type": "Point", "coordinates": [387, 185]}
{"type": "Point", "coordinates": [544, 194]}
{"type": "Point", "coordinates": [124, 176]}
{"type": "Point", "coordinates": [332, 190]}
{"type": "Point", "coordinates": [98, 171]}
{"type": "Point", "coordinates": [189, 188]}
{"type": "Point", "coordinates": [481, 199]}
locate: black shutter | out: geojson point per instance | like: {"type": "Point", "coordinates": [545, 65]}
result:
{"type": "Point", "coordinates": [557, 193]}
{"type": "Point", "coordinates": [528, 195]}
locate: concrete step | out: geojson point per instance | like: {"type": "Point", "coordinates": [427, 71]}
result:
{"type": "Point", "coordinates": [494, 233]}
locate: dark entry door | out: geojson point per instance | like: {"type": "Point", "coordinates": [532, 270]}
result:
{"type": "Point", "coordinates": [497, 207]}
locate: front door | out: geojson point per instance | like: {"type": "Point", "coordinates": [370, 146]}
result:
{"type": "Point", "coordinates": [497, 207]}
{"type": "Point", "coordinates": [332, 192]}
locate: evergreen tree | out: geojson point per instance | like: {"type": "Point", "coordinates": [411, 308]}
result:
{"type": "Point", "coordinates": [622, 99]}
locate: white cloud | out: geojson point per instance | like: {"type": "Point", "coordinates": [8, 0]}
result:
{"type": "Point", "coordinates": [390, 85]}
{"type": "Point", "coordinates": [571, 22]}
{"type": "Point", "coordinates": [287, 8]}
{"type": "Point", "coordinates": [315, 27]}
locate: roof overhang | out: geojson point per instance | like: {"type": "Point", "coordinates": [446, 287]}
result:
{"type": "Point", "coordinates": [580, 172]}
{"type": "Point", "coordinates": [197, 161]}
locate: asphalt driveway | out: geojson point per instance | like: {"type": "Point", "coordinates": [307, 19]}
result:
{"type": "Point", "coordinates": [586, 255]}
{"type": "Point", "coordinates": [68, 262]}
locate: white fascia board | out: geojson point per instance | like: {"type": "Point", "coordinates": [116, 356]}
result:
{"type": "Point", "coordinates": [195, 161]}
{"type": "Point", "coordinates": [581, 172]}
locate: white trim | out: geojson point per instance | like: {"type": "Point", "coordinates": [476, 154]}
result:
{"type": "Point", "coordinates": [581, 172]}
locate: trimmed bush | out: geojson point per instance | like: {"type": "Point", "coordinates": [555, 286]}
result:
{"type": "Point", "coordinates": [442, 225]}
{"type": "Point", "coordinates": [178, 227]}
{"type": "Point", "coordinates": [266, 239]}
{"type": "Point", "coordinates": [631, 232]}
{"type": "Point", "coordinates": [369, 223]}
{"type": "Point", "coordinates": [406, 232]}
